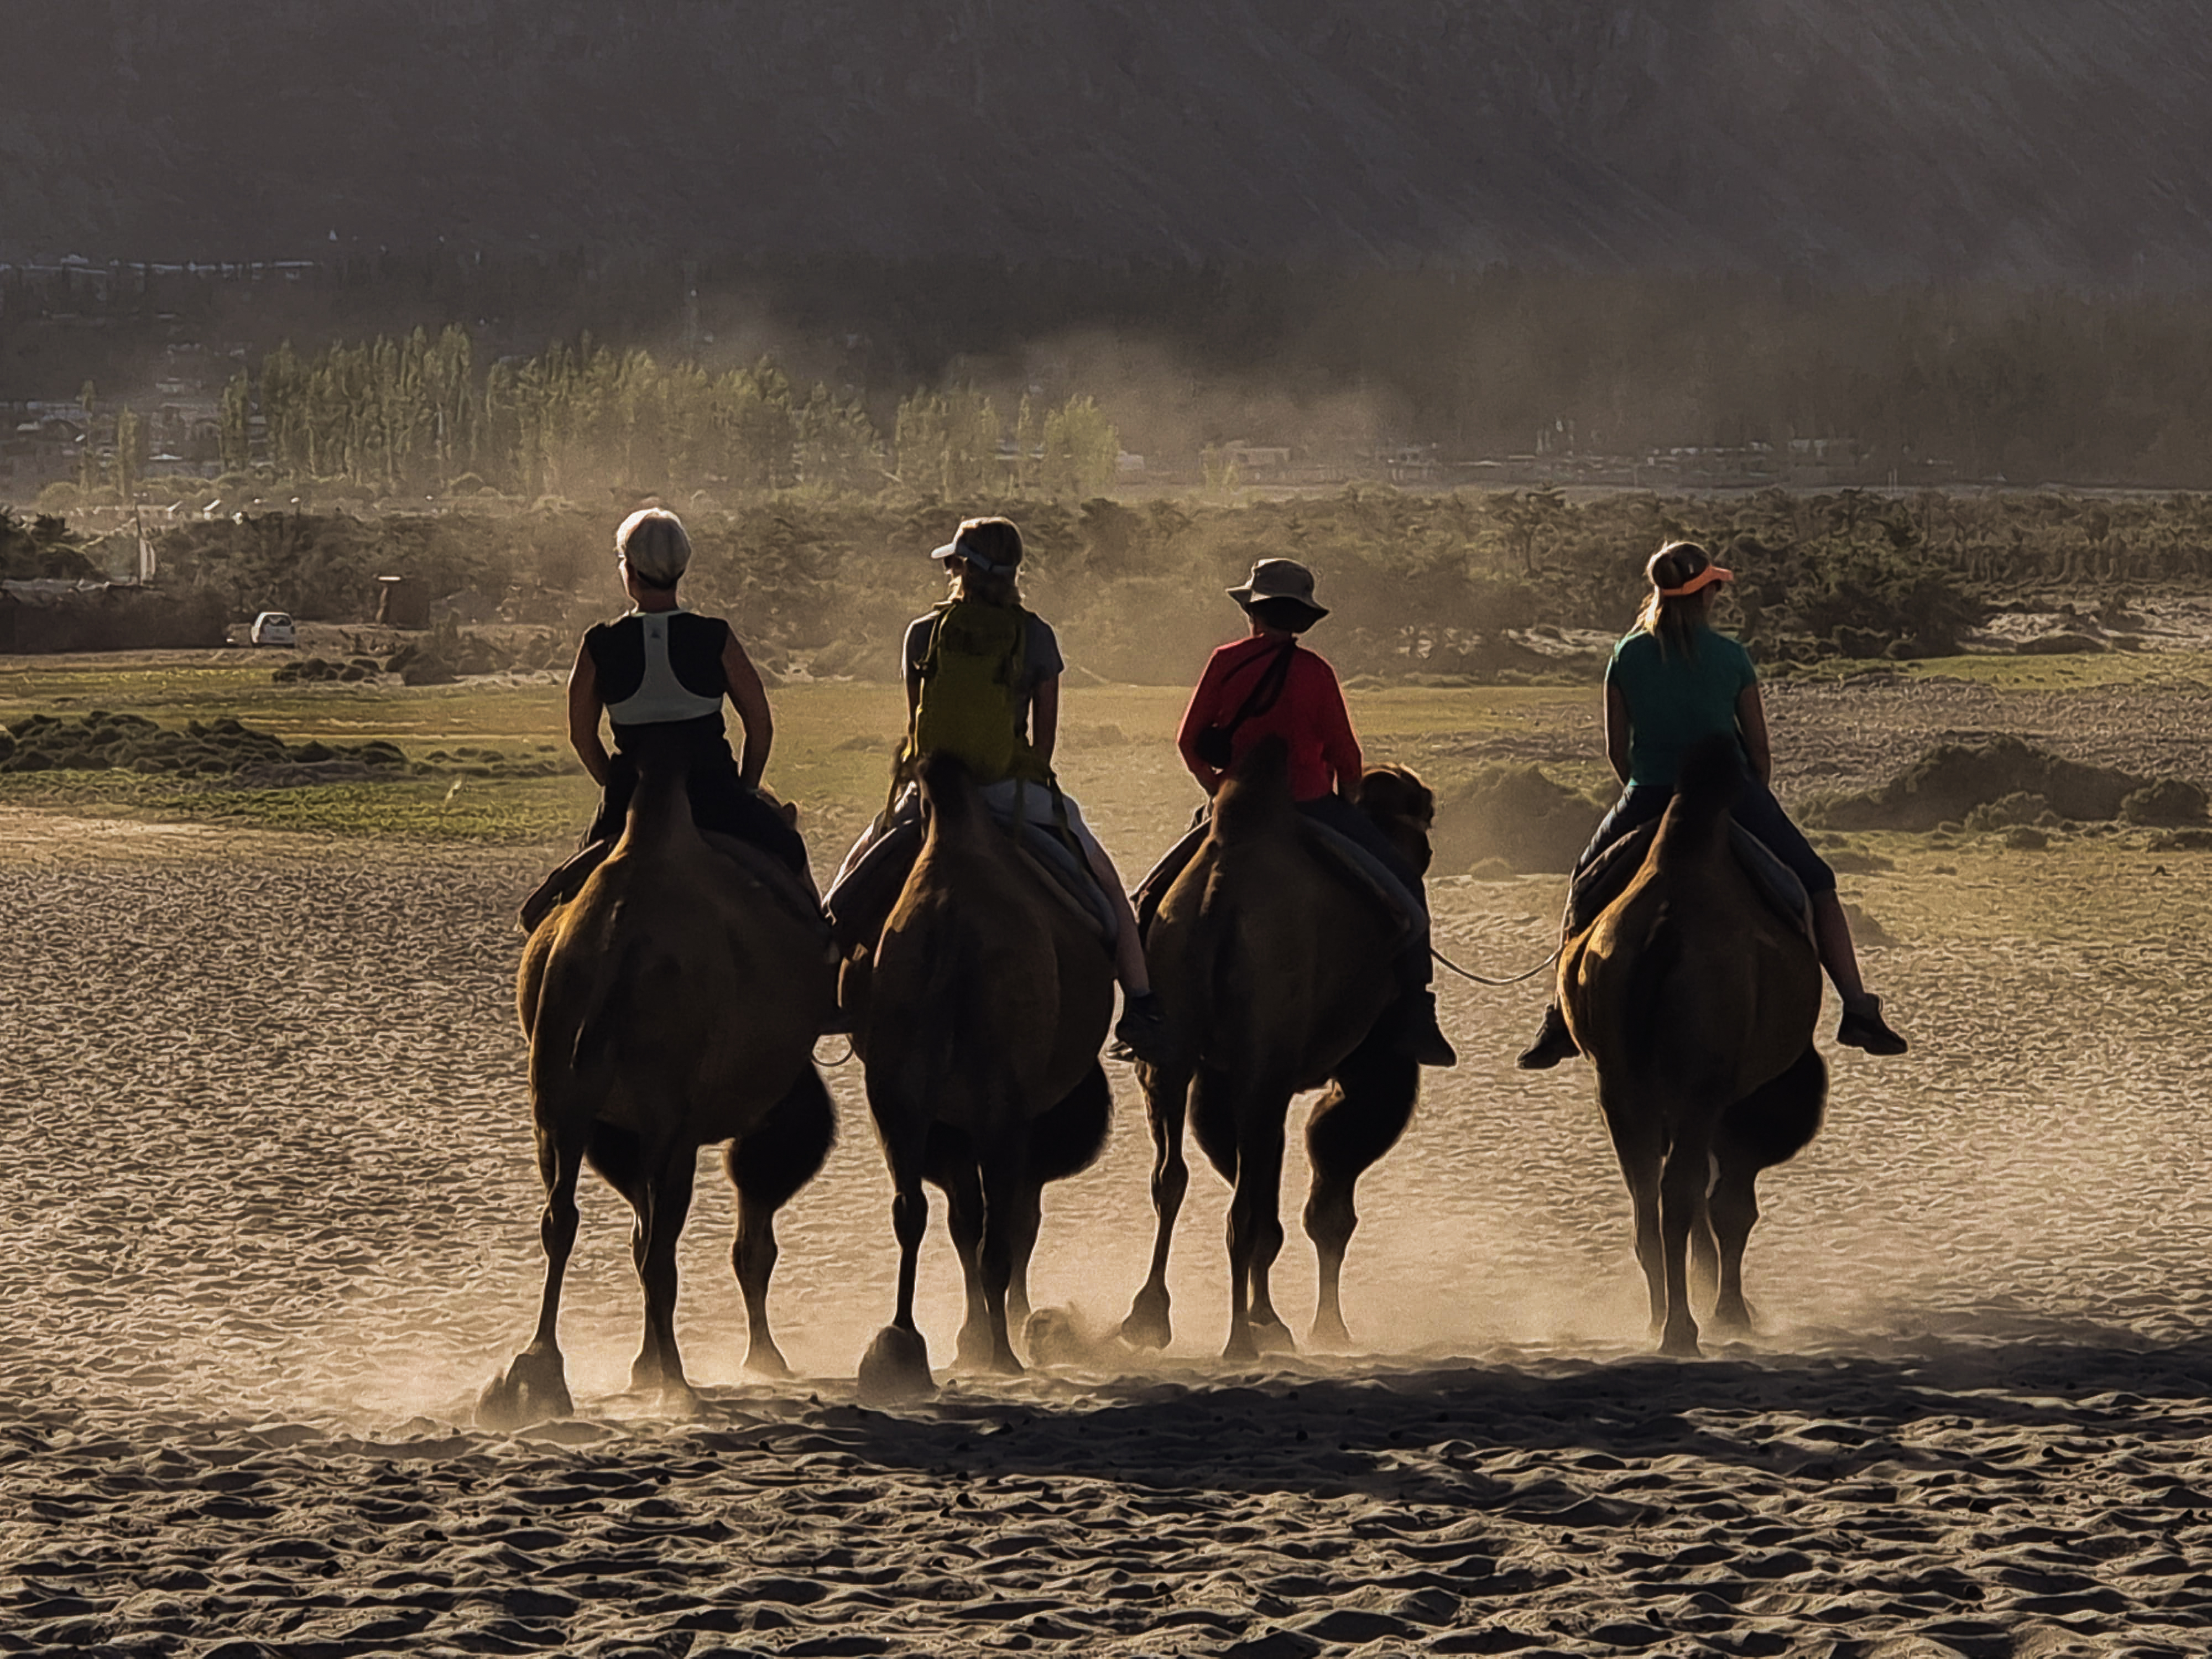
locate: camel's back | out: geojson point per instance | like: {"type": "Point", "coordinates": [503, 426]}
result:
{"type": "Point", "coordinates": [986, 985]}
{"type": "Point", "coordinates": [1691, 971]}
{"type": "Point", "coordinates": [674, 980]}
{"type": "Point", "coordinates": [1270, 955]}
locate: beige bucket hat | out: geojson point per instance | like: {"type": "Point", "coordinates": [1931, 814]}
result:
{"type": "Point", "coordinates": [1284, 580]}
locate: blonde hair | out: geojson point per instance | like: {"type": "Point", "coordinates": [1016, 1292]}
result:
{"type": "Point", "coordinates": [652, 542]}
{"type": "Point", "coordinates": [1000, 541]}
{"type": "Point", "coordinates": [1675, 621]}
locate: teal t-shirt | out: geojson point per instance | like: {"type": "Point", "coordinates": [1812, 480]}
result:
{"type": "Point", "coordinates": [1675, 699]}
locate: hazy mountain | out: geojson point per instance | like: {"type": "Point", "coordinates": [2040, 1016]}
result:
{"type": "Point", "coordinates": [1869, 140]}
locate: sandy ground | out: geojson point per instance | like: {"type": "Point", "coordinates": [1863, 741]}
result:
{"type": "Point", "coordinates": [271, 1222]}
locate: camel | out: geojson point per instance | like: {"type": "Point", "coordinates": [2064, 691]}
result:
{"type": "Point", "coordinates": [1276, 968]}
{"type": "Point", "coordinates": [980, 1014]}
{"type": "Point", "coordinates": [1696, 1000]}
{"type": "Point", "coordinates": [672, 1004]}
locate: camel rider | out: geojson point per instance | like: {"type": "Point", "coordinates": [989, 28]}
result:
{"type": "Point", "coordinates": [982, 681]}
{"type": "Point", "coordinates": [1673, 682]}
{"type": "Point", "coordinates": [1264, 685]}
{"type": "Point", "coordinates": [662, 665]}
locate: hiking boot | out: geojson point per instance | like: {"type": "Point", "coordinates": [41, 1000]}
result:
{"type": "Point", "coordinates": [1553, 1043]}
{"type": "Point", "coordinates": [1142, 1033]}
{"type": "Point", "coordinates": [1863, 1027]}
{"type": "Point", "coordinates": [1418, 1037]}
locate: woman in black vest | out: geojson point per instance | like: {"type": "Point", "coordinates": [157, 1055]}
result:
{"type": "Point", "coordinates": [662, 665]}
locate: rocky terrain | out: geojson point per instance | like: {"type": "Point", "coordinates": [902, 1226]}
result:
{"type": "Point", "coordinates": [2040, 142]}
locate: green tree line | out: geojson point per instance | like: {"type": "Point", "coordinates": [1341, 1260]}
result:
{"type": "Point", "coordinates": [418, 412]}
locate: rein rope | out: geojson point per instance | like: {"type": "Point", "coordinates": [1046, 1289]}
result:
{"type": "Point", "coordinates": [1481, 980]}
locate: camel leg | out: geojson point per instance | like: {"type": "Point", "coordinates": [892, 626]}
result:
{"type": "Point", "coordinates": [661, 1224]}
{"type": "Point", "coordinates": [1166, 1093]}
{"type": "Point", "coordinates": [1007, 1192]}
{"type": "Point", "coordinates": [896, 1365]}
{"type": "Point", "coordinates": [535, 1385]}
{"type": "Point", "coordinates": [962, 1182]}
{"type": "Point", "coordinates": [1769, 1127]}
{"type": "Point", "coordinates": [1681, 1206]}
{"type": "Point", "coordinates": [1734, 1209]}
{"type": "Point", "coordinates": [1361, 1117]}
{"type": "Point", "coordinates": [767, 1166]}
{"type": "Point", "coordinates": [1062, 1142]}
{"type": "Point", "coordinates": [1256, 1235]}
{"type": "Point", "coordinates": [1637, 1146]}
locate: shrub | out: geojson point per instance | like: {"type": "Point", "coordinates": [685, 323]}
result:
{"type": "Point", "coordinates": [2168, 801]}
{"type": "Point", "coordinates": [1949, 782]}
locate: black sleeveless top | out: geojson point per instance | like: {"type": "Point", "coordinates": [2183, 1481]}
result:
{"type": "Point", "coordinates": [695, 645]}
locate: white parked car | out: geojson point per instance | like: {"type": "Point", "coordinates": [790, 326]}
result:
{"type": "Point", "coordinates": [274, 628]}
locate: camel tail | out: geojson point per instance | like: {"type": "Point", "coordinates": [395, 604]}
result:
{"type": "Point", "coordinates": [1257, 795]}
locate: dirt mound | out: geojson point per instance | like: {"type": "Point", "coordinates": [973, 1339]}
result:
{"type": "Point", "coordinates": [218, 749]}
{"type": "Point", "coordinates": [2005, 782]}
{"type": "Point", "coordinates": [1515, 814]}
{"type": "Point", "coordinates": [319, 670]}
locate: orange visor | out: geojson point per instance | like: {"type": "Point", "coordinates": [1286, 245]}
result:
{"type": "Point", "coordinates": [1705, 578]}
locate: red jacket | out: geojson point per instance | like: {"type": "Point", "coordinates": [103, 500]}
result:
{"type": "Point", "coordinates": [1309, 715]}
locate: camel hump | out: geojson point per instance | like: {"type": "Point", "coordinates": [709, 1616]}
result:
{"type": "Point", "coordinates": [1256, 797]}
{"type": "Point", "coordinates": [1712, 777]}
{"type": "Point", "coordinates": [948, 791]}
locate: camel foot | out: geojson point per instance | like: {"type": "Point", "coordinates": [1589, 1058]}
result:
{"type": "Point", "coordinates": [1329, 1334]}
{"type": "Point", "coordinates": [1732, 1316]}
{"type": "Point", "coordinates": [534, 1390]}
{"type": "Point", "coordinates": [678, 1400]}
{"type": "Point", "coordinates": [896, 1368]}
{"type": "Point", "coordinates": [977, 1351]}
{"type": "Point", "coordinates": [1147, 1325]}
{"type": "Point", "coordinates": [764, 1359]}
{"type": "Point", "coordinates": [1241, 1346]}
{"type": "Point", "coordinates": [1054, 1336]}
{"type": "Point", "coordinates": [1274, 1336]}
{"type": "Point", "coordinates": [1680, 1342]}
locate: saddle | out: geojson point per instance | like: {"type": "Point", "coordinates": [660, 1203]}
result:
{"type": "Point", "coordinates": [780, 885]}
{"type": "Point", "coordinates": [1607, 875]}
{"type": "Point", "coordinates": [861, 903]}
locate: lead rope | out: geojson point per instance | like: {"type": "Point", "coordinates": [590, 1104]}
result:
{"type": "Point", "coordinates": [1480, 979]}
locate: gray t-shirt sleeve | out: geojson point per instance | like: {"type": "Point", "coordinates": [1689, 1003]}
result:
{"type": "Point", "coordinates": [1041, 655]}
{"type": "Point", "coordinates": [916, 647]}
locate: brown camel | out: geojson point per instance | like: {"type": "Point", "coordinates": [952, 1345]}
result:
{"type": "Point", "coordinates": [1696, 1000]}
{"type": "Point", "coordinates": [1276, 967]}
{"type": "Point", "coordinates": [980, 1014]}
{"type": "Point", "coordinates": [671, 1004]}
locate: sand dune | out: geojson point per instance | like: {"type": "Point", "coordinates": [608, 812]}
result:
{"type": "Point", "coordinates": [271, 1224]}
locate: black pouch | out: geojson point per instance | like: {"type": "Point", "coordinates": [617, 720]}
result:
{"type": "Point", "coordinates": [1213, 747]}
